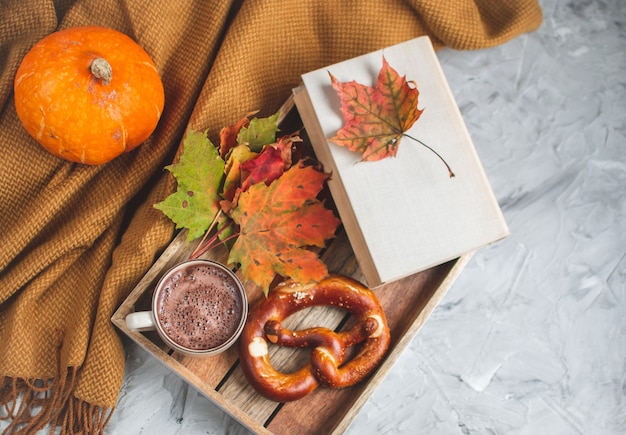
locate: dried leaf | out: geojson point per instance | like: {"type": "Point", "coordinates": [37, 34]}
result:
{"type": "Point", "coordinates": [278, 223]}
{"type": "Point", "coordinates": [376, 117]}
{"type": "Point", "coordinates": [269, 164]}
{"type": "Point", "coordinates": [236, 158]}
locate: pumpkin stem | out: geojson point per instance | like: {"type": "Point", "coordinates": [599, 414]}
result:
{"type": "Point", "coordinates": [101, 69]}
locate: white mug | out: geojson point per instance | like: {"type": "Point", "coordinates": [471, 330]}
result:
{"type": "Point", "coordinates": [199, 307]}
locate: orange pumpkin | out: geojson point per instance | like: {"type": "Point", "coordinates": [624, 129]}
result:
{"type": "Point", "coordinates": [88, 94]}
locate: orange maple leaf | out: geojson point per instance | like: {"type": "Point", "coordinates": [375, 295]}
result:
{"type": "Point", "coordinates": [376, 117]}
{"type": "Point", "coordinates": [228, 135]}
{"type": "Point", "coordinates": [278, 223]}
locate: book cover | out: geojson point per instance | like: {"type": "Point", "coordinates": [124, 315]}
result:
{"type": "Point", "coordinates": [403, 214]}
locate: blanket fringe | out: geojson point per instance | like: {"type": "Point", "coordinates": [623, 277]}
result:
{"type": "Point", "coordinates": [29, 405]}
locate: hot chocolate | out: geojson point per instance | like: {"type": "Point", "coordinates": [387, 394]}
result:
{"type": "Point", "coordinates": [199, 306]}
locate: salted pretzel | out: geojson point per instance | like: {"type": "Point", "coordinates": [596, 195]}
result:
{"type": "Point", "coordinates": [326, 366]}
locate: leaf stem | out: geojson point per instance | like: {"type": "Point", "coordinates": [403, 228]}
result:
{"type": "Point", "coordinates": [435, 152]}
{"type": "Point", "coordinates": [213, 242]}
{"type": "Point", "coordinates": [221, 242]}
{"type": "Point", "coordinates": [205, 244]}
{"type": "Point", "coordinates": [194, 254]}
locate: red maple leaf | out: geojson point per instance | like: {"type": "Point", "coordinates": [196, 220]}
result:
{"type": "Point", "coordinates": [269, 164]}
{"type": "Point", "coordinates": [376, 117]}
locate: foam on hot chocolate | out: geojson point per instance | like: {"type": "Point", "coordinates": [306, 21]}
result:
{"type": "Point", "coordinates": [199, 307]}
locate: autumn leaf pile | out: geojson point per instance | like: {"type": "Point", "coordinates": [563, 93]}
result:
{"type": "Point", "coordinates": [252, 193]}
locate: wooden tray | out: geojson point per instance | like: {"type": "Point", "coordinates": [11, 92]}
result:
{"type": "Point", "coordinates": [407, 304]}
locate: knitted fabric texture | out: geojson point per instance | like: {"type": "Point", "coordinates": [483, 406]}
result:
{"type": "Point", "coordinates": [76, 239]}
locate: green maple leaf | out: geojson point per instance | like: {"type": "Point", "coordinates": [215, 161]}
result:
{"type": "Point", "coordinates": [260, 132]}
{"type": "Point", "coordinates": [198, 174]}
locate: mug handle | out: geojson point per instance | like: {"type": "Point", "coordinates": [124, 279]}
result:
{"type": "Point", "coordinates": [141, 321]}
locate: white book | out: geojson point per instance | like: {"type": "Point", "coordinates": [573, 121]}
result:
{"type": "Point", "coordinates": [403, 214]}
